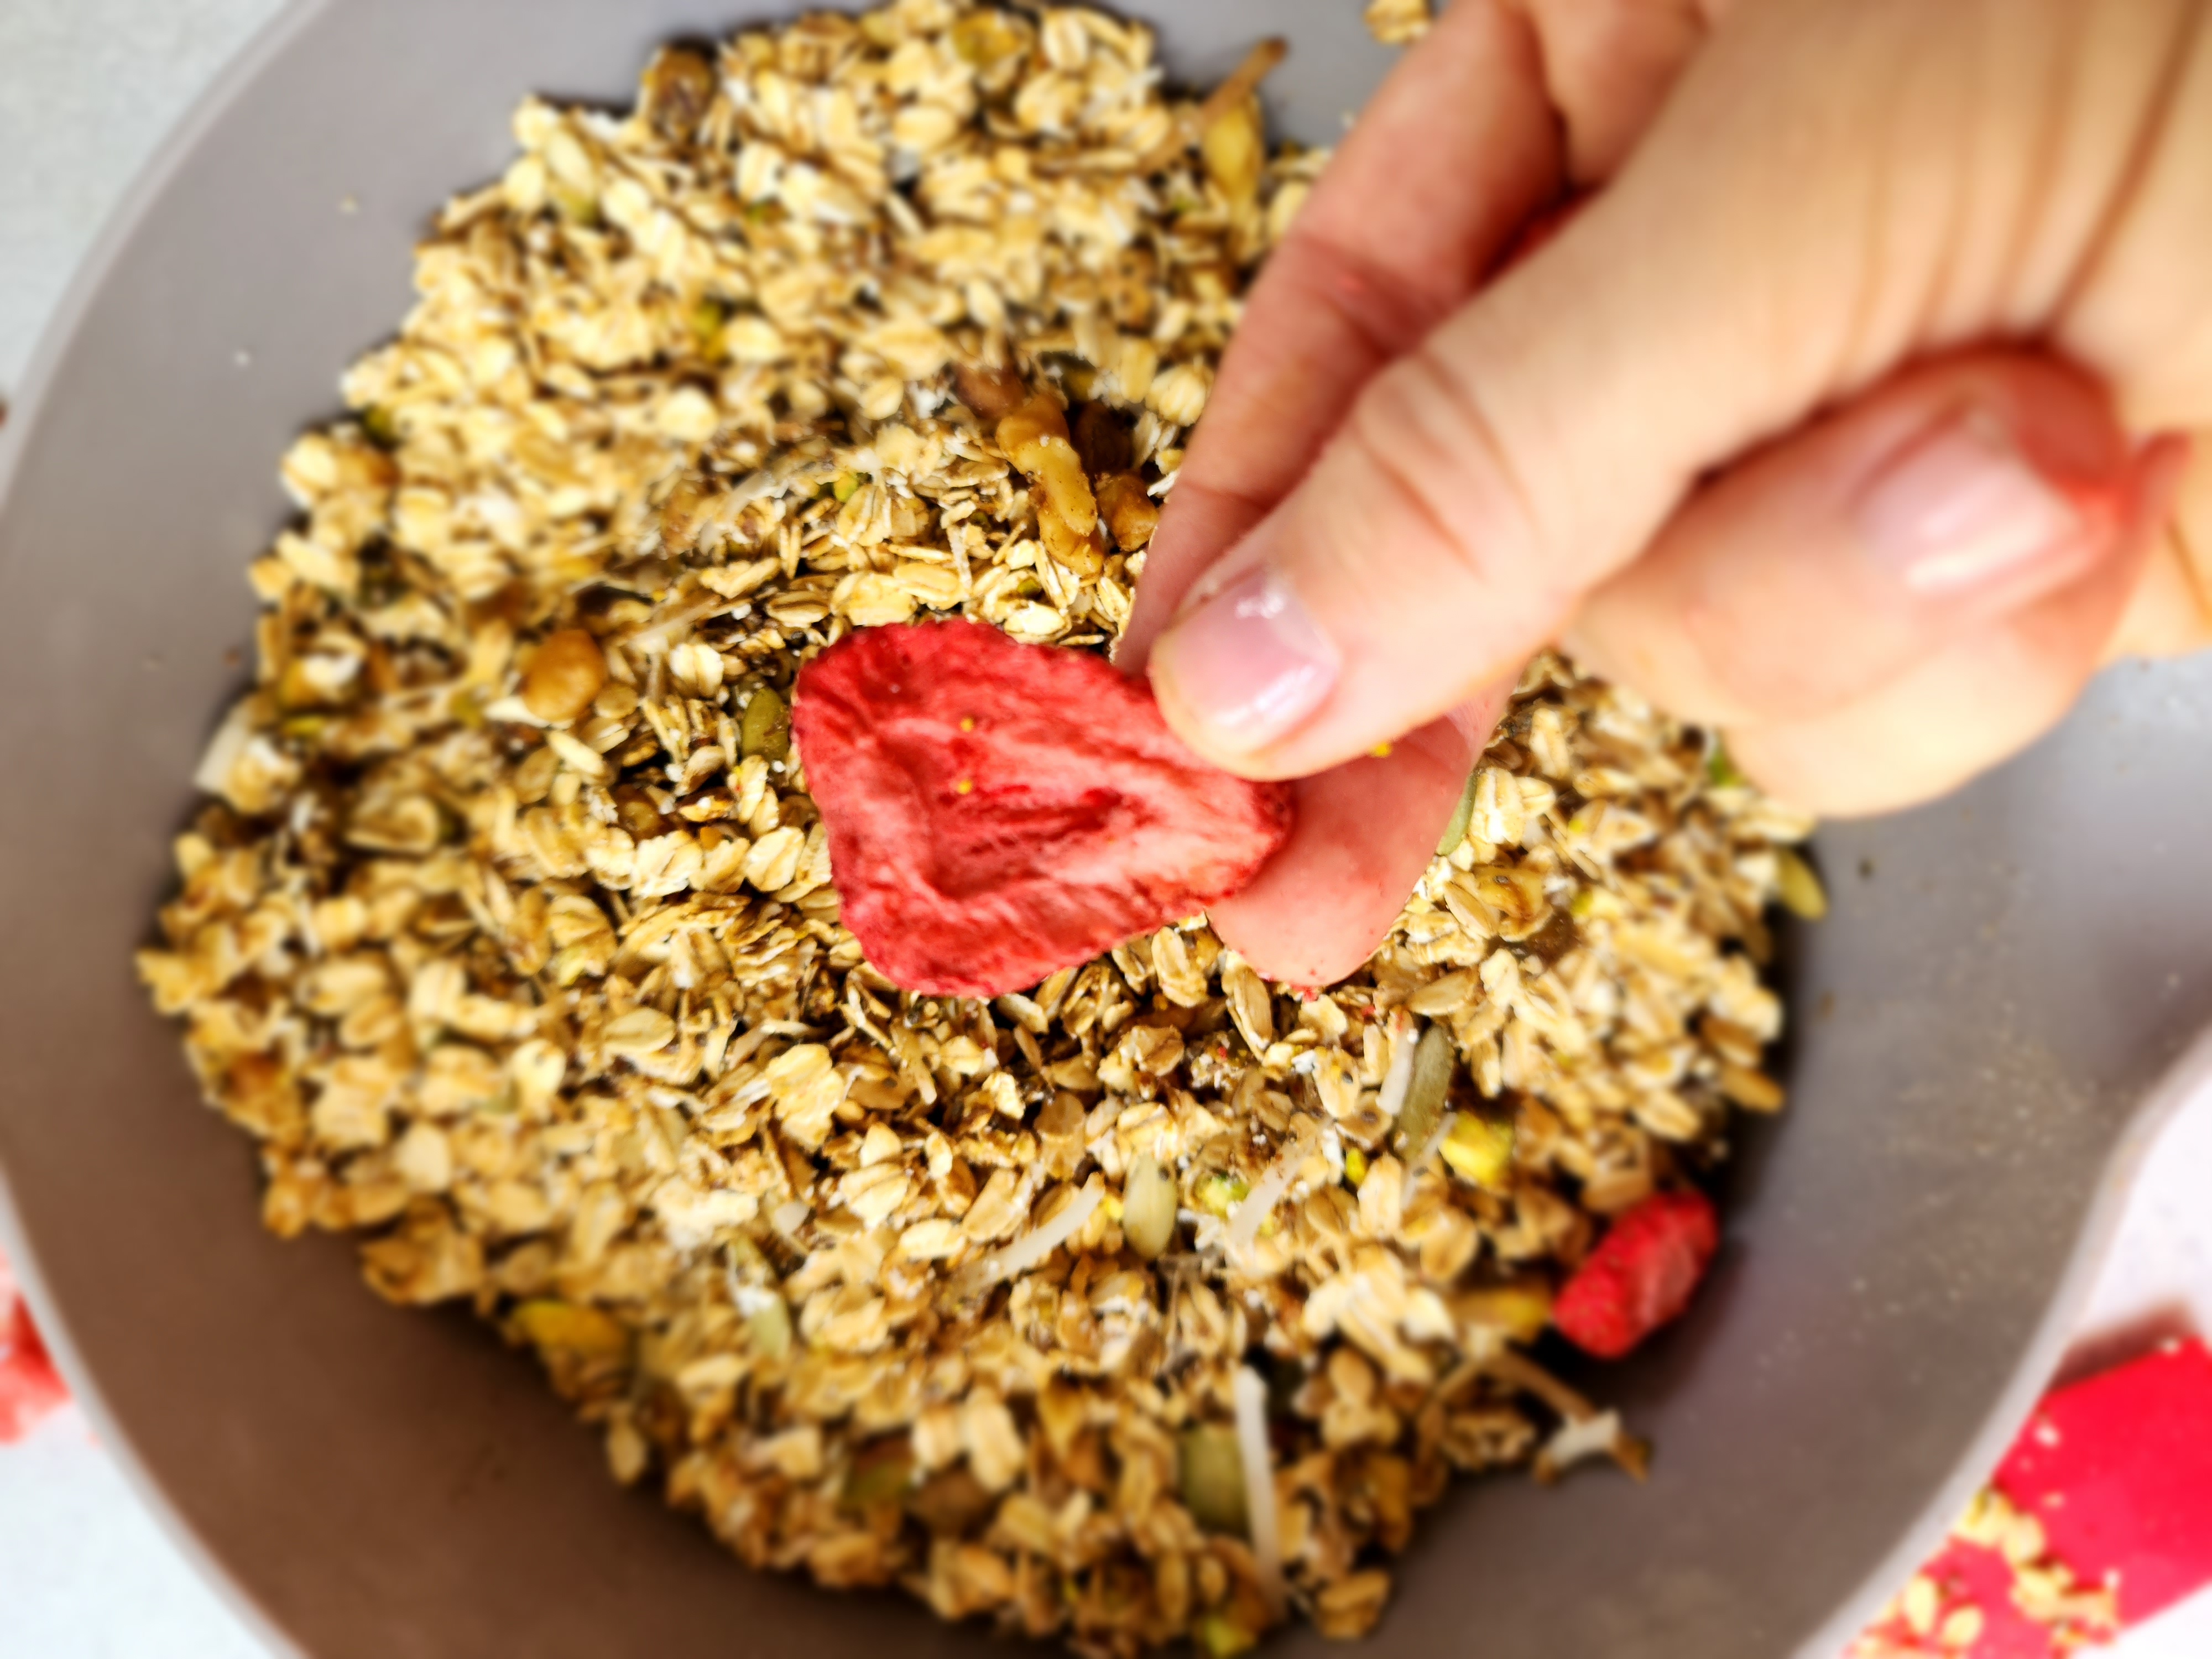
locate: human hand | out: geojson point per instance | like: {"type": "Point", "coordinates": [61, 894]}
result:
{"type": "Point", "coordinates": [1782, 430]}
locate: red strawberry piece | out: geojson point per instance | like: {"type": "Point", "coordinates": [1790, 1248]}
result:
{"type": "Point", "coordinates": [1965, 1576]}
{"type": "Point", "coordinates": [2118, 1472]}
{"type": "Point", "coordinates": [1641, 1275]}
{"type": "Point", "coordinates": [2118, 1469]}
{"type": "Point", "coordinates": [29, 1385]}
{"type": "Point", "coordinates": [996, 811]}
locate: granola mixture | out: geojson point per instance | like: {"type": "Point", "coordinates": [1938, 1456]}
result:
{"type": "Point", "coordinates": [1151, 1304]}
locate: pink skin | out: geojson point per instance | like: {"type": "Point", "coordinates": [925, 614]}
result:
{"type": "Point", "coordinates": [1411, 216]}
{"type": "Point", "coordinates": [1502, 112]}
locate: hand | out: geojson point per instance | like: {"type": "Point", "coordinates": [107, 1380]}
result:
{"type": "Point", "coordinates": [1829, 420]}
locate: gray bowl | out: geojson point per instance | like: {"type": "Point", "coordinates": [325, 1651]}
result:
{"type": "Point", "coordinates": [1975, 1027]}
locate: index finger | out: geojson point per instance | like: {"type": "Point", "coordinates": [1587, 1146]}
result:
{"type": "Point", "coordinates": [1457, 150]}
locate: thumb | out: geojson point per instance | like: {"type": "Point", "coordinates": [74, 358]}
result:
{"type": "Point", "coordinates": [1811, 210]}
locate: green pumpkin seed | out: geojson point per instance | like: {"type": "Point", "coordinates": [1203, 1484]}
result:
{"type": "Point", "coordinates": [1210, 1477]}
{"type": "Point", "coordinates": [1455, 829]}
{"type": "Point", "coordinates": [1434, 1061]}
{"type": "Point", "coordinates": [766, 728]}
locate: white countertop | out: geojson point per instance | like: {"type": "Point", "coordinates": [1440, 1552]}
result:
{"type": "Point", "coordinates": [87, 90]}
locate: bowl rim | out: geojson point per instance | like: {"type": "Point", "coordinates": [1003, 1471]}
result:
{"type": "Point", "coordinates": [57, 335]}
{"type": "Point", "coordinates": [2186, 1080]}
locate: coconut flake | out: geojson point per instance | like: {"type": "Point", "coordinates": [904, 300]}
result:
{"type": "Point", "coordinates": [1259, 1203]}
{"type": "Point", "coordinates": [1590, 1436]}
{"type": "Point", "coordinates": [1599, 1435]}
{"type": "Point", "coordinates": [221, 755]}
{"type": "Point", "coordinates": [1405, 1038]}
{"type": "Point", "coordinates": [1040, 1240]}
{"type": "Point", "coordinates": [513, 711]}
{"type": "Point", "coordinates": [1250, 1397]}
{"type": "Point", "coordinates": [674, 619]}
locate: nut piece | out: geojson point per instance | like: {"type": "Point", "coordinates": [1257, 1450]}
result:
{"type": "Point", "coordinates": [1397, 22]}
{"type": "Point", "coordinates": [1518, 1310]}
{"type": "Point", "coordinates": [1035, 438]}
{"type": "Point", "coordinates": [1797, 888]}
{"type": "Point", "coordinates": [992, 393]}
{"type": "Point", "coordinates": [573, 1328]}
{"type": "Point", "coordinates": [1236, 151]}
{"type": "Point", "coordinates": [1103, 439]}
{"type": "Point", "coordinates": [678, 86]}
{"type": "Point", "coordinates": [564, 677]}
{"type": "Point", "coordinates": [1084, 555]}
{"type": "Point", "coordinates": [1480, 1149]}
{"type": "Point", "coordinates": [1130, 512]}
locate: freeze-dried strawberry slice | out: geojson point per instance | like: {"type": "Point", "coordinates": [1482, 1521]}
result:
{"type": "Point", "coordinates": [2118, 1469]}
{"type": "Point", "coordinates": [29, 1386]}
{"type": "Point", "coordinates": [1641, 1276]}
{"type": "Point", "coordinates": [998, 811]}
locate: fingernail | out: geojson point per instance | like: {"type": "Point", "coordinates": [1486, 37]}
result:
{"type": "Point", "coordinates": [1249, 663]}
{"type": "Point", "coordinates": [1962, 506]}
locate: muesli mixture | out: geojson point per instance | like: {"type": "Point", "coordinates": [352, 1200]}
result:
{"type": "Point", "coordinates": [1150, 1305]}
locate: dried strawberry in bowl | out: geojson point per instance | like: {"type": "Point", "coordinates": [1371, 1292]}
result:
{"type": "Point", "coordinates": [996, 811]}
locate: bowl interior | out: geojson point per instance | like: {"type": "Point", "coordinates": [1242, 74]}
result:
{"type": "Point", "coordinates": [2001, 976]}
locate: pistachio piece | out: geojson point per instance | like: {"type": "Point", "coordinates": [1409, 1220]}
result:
{"type": "Point", "coordinates": [573, 1328]}
{"type": "Point", "coordinates": [1517, 1310]}
{"type": "Point", "coordinates": [768, 1328]}
{"type": "Point", "coordinates": [1218, 1193]}
{"type": "Point", "coordinates": [1797, 888]}
{"type": "Point", "coordinates": [1721, 769]}
{"type": "Point", "coordinates": [1233, 147]}
{"type": "Point", "coordinates": [1223, 1636]}
{"type": "Point", "coordinates": [1480, 1149]}
{"type": "Point", "coordinates": [883, 1474]}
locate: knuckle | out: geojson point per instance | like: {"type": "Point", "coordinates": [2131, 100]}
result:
{"type": "Point", "coordinates": [1427, 434]}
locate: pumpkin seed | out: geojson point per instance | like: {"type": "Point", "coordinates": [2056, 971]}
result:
{"type": "Point", "coordinates": [1455, 828]}
{"type": "Point", "coordinates": [1210, 1474]}
{"type": "Point", "coordinates": [1434, 1061]}
{"type": "Point", "coordinates": [766, 728]}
